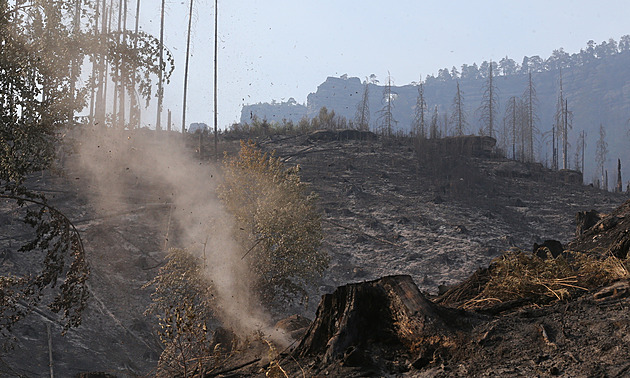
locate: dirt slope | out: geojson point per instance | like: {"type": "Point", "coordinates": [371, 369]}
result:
{"type": "Point", "coordinates": [385, 213]}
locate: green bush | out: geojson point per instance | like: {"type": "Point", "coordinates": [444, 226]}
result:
{"type": "Point", "coordinates": [277, 224]}
{"type": "Point", "coordinates": [183, 303]}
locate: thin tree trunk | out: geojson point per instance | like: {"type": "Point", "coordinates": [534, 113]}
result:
{"type": "Point", "coordinates": [160, 94]}
{"type": "Point", "coordinates": [134, 107]}
{"type": "Point", "coordinates": [190, 13]}
{"type": "Point", "coordinates": [123, 72]}
{"type": "Point", "coordinates": [94, 65]}
{"type": "Point", "coordinates": [216, 44]}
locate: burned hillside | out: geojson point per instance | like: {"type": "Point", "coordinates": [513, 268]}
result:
{"type": "Point", "coordinates": [392, 208]}
{"type": "Point", "coordinates": [387, 209]}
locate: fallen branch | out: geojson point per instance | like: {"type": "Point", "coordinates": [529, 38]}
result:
{"type": "Point", "coordinates": [361, 232]}
{"type": "Point", "coordinates": [232, 368]}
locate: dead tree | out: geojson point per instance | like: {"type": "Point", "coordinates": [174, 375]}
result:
{"type": "Point", "coordinates": [419, 121]}
{"type": "Point", "coordinates": [489, 105]}
{"type": "Point", "coordinates": [458, 117]}
{"type": "Point", "coordinates": [530, 103]}
{"type": "Point", "coordinates": [563, 120]}
{"type": "Point", "coordinates": [190, 14]}
{"type": "Point", "coordinates": [362, 116]}
{"type": "Point", "coordinates": [160, 91]}
{"type": "Point", "coordinates": [619, 186]}
{"type": "Point", "coordinates": [386, 115]}
{"type": "Point", "coordinates": [601, 153]}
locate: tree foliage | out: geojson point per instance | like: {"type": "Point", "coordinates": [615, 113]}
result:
{"type": "Point", "coordinates": [277, 224]}
{"type": "Point", "coordinates": [43, 44]}
{"type": "Point", "coordinates": [183, 303]}
{"type": "Point", "coordinates": [37, 99]}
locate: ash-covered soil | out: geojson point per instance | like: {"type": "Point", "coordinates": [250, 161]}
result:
{"type": "Point", "coordinates": [385, 212]}
{"type": "Point", "coordinates": [388, 212]}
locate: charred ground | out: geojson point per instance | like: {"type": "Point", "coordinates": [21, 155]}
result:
{"type": "Point", "coordinates": [389, 208]}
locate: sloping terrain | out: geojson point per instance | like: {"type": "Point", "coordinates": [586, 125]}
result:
{"type": "Point", "coordinates": [387, 211]}
{"type": "Point", "coordinates": [582, 336]}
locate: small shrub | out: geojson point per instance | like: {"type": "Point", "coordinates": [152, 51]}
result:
{"type": "Point", "coordinates": [182, 303]}
{"type": "Point", "coordinates": [277, 224]}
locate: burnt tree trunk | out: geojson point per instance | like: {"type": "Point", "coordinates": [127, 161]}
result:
{"type": "Point", "coordinates": [389, 312]}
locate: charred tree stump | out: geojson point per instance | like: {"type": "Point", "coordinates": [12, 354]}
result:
{"type": "Point", "coordinates": [389, 312]}
{"type": "Point", "coordinates": [585, 220]}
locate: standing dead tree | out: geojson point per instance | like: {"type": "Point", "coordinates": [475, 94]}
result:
{"type": "Point", "coordinates": [362, 116]}
{"type": "Point", "coordinates": [619, 186]}
{"type": "Point", "coordinates": [190, 14]}
{"type": "Point", "coordinates": [489, 105]}
{"type": "Point", "coordinates": [434, 130]}
{"type": "Point", "coordinates": [563, 119]}
{"type": "Point", "coordinates": [458, 116]}
{"type": "Point", "coordinates": [160, 92]}
{"type": "Point", "coordinates": [512, 121]}
{"type": "Point", "coordinates": [530, 103]}
{"type": "Point", "coordinates": [601, 153]}
{"type": "Point", "coordinates": [418, 125]}
{"type": "Point", "coordinates": [386, 115]}
{"type": "Point", "coordinates": [578, 161]}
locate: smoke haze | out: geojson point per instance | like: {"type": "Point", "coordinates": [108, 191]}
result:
{"type": "Point", "coordinates": [125, 170]}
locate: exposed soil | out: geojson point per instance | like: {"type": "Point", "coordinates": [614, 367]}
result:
{"type": "Point", "coordinates": [386, 212]}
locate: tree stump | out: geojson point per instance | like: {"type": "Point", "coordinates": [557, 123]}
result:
{"type": "Point", "coordinates": [389, 312]}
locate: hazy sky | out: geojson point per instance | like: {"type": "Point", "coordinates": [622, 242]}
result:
{"type": "Point", "coordinates": [277, 49]}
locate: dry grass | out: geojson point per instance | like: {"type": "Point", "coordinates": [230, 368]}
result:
{"type": "Point", "coordinates": [518, 275]}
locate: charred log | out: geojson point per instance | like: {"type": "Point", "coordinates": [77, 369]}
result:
{"type": "Point", "coordinates": [609, 236]}
{"type": "Point", "coordinates": [585, 220]}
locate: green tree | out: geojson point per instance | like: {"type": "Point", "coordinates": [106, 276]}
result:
{"type": "Point", "coordinates": [42, 46]}
{"type": "Point", "coordinates": [38, 99]}
{"type": "Point", "coordinates": [277, 224]}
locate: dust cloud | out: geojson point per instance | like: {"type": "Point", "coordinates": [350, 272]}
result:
{"type": "Point", "coordinates": [124, 170]}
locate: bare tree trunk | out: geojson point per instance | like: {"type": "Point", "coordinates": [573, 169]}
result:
{"type": "Point", "coordinates": [190, 13]}
{"type": "Point", "coordinates": [134, 108]}
{"type": "Point", "coordinates": [123, 72]}
{"type": "Point", "coordinates": [160, 94]}
{"type": "Point", "coordinates": [216, 44]}
{"type": "Point", "coordinates": [100, 107]}
{"type": "Point", "coordinates": [94, 65]}
{"type": "Point", "coordinates": [619, 186]}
